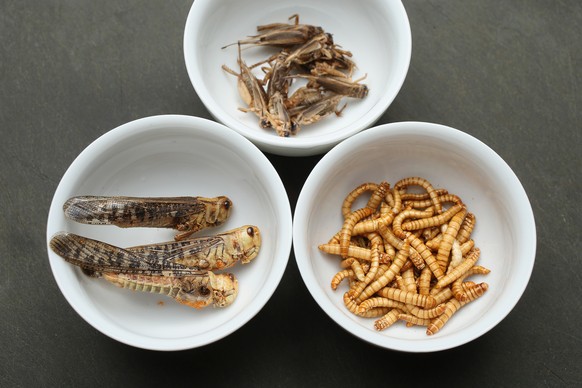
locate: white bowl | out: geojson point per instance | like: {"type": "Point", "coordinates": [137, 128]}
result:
{"type": "Point", "coordinates": [448, 158]}
{"type": "Point", "coordinates": [377, 32]}
{"type": "Point", "coordinates": [173, 156]}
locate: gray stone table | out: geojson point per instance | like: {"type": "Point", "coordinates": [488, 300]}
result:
{"type": "Point", "coordinates": [507, 72]}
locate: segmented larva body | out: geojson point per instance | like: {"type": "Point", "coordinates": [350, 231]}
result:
{"type": "Point", "coordinates": [406, 255]}
{"type": "Point", "coordinates": [354, 194]}
{"type": "Point", "coordinates": [348, 227]}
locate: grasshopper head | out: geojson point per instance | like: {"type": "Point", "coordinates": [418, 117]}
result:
{"type": "Point", "coordinates": [224, 288]}
{"type": "Point", "coordinates": [250, 240]}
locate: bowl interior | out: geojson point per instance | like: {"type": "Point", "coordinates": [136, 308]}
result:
{"type": "Point", "coordinates": [173, 156]}
{"type": "Point", "coordinates": [377, 34]}
{"type": "Point", "coordinates": [504, 231]}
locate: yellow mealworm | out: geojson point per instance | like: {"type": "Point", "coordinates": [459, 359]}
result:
{"type": "Point", "coordinates": [357, 290]}
{"type": "Point", "coordinates": [459, 270]}
{"type": "Point", "coordinates": [424, 281]}
{"type": "Point", "coordinates": [417, 181]}
{"type": "Point", "coordinates": [408, 280]}
{"type": "Point", "coordinates": [354, 194]}
{"type": "Point", "coordinates": [424, 301]}
{"type": "Point", "coordinates": [354, 264]}
{"type": "Point", "coordinates": [397, 206]}
{"type": "Point", "coordinates": [353, 251]}
{"type": "Point", "coordinates": [372, 225]}
{"type": "Point", "coordinates": [387, 320]}
{"type": "Point", "coordinates": [442, 295]}
{"type": "Point", "coordinates": [427, 256]}
{"type": "Point", "coordinates": [397, 223]}
{"type": "Point", "coordinates": [406, 254]}
{"type": "Point", "coordinates": [446, 198]}
{"type": "Point", "coordinates": [466, 228]}
{"type": "Point", "coordinates": [459, 287]}
{"type": "Point", "coordinates": [475, 291]}
{"type": "Point", "coordinates": [452, 306]}
{"type": "Point", "coordinates": [378, 195]}
{"type": "Point", "coordinates": [426, 313]}
{"type": "Point", "coordinates": [413, 320]}
{"type": "Point", "coordinates": [371, 313]}
{"type": "Point", "coordinates": [341, 275]}
{"type": "Point", "coordinates": [407, 197]}
{"type": "Point", "coordinates": [448, 238]}
{"type": "Point", "coordinates": [389, 236]}
{"type": "Point", "coordinates": [387, 276]}
{"type": "Point", "coordinates": [427, 222]}
{"type": "Point", "coordinates": [416, 259]}
{"type": "Point", "coordinates": [371, 303]}
{"type": "Point", "coordinates": [467, 246]}
{"type": "Point", "coordinates": [346, 232]}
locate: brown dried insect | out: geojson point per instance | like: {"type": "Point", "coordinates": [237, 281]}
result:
{"type": "Point", "coordinates": [281, 34]}
{"type": "Point", "coordinates": [197, 291]}
{"type": "Point", "coordinates": [173, 258]}
{"type": "Point", "coordinates": [306, 51]}
{"type": "Point", "coordinates": [186, 214]}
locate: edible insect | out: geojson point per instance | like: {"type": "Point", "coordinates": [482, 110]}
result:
{"type": "Point", "coordinates": [186, 214]}
{"type": "Point", "coordinates": [281, 34]}
{"type": "Point", "coordinates": [197, 291]}
{"type": "Point", "coordinates": [406, 255]}
{"type": "Point", "coordinates": [339, 85]}
{"type": "Point", "coordinates": [174, 258]}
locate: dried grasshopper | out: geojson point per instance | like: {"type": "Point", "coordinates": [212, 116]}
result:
{"type": "Point", "coordinates": [173, 258]}
{"type": "Point", "coordinates": [186, 214]}
{"type": "Point", "coordinates": [281, 34]}
{"type": "Point", "coordinates": [195, 291]}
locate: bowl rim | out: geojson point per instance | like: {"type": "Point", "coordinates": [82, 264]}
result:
{"type": "Point", "coordinates": [333, 157]}
{"type": "Point", "coordinates": [246, 149]}
{"type": "Point", "coordinates": [298, 146]}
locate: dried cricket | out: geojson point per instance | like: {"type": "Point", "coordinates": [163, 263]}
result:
{"type": "Point", "coordinates": [342, 86]}
{"type": "Point", "coordinates": [186, 214]}
{"type": "Point", "coordinates": [281, 34]}
{"type": "Point", "coordinates": [308, 52]}
{"type": "Point", "coordinates": [251, 91]}
{"type": "Point", "coordinates": [418, 251]}
{"type": "Point", "coordinates": [174, 258]}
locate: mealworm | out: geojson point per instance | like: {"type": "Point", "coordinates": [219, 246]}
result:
{"type": "Point", "coordinates": [346, 232]}
{"type": "Point", "coordinates": [425, 301]}
{"type": "Point", "coordinates": [459, 270]}
{"type": "Point", "coordinates": [388, 248]}
{"type": "Point", "coordinates": [341, 275]}
{"type": "Point", "coordinates": [354, 194]}
{"type": "Point", "coordinates": [353, 251]}
{"type": "Point", "coordinates": [417, 181]}
{"type": "Point", "coordinates": [428, 221]}
{"type": "Point", "coordinates": [387, 320]}
{"type": "Point", "coordinates": [448, 238]}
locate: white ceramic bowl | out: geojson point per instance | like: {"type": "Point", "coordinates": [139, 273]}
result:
{"type": "Point", "coordinates": [173, 156]}
{"type": "Point", "coordinates": [377, 32]}
{"type": "Point", "coordinates": [448, 158]}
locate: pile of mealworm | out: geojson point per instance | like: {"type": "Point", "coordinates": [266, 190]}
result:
{"type": "Point", "coordinates": [407, 254]}
{"type": "Point", "coordinates": [305, 52]}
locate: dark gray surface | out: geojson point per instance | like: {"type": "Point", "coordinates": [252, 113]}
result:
{"type": "Point", "coordinates": [507, 72]}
